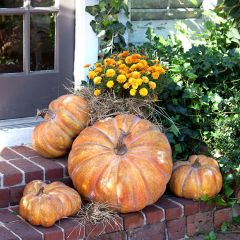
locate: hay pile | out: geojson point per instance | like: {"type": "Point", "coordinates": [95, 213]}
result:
{"type": "Point", "coordinates": [109, 105]}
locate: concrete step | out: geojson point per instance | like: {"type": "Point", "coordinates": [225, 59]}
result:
{"type": "Point", "coordinates": [15, 132]}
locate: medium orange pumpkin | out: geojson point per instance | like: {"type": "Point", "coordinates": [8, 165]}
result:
{"type": "Point", "coordinates": [44, 204]}
{"type": "Point", "coordinates": [124, 161]}
{"type": "Point", "coordinates": [66, 117]}
{"type": "Point", "coordinates": [198, 176]}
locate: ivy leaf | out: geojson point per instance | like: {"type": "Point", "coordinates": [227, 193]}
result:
{"type": "Point", "coordinates": [174, 130]}
{"type": "Point", "coordinates": [93, 10]}
{"type": "Point", "coordinates": [225, 226]}
{"type": "Point", "coordinates": [228, 191]}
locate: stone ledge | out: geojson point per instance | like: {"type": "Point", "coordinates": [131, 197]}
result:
{"type": "Point", "coordinates": [163, 14]}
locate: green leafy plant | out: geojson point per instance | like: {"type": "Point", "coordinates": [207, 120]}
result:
{"type": "Point", "coordinates": [107, 26]}
{"type": "Point", "coordinates": [210, 236]}
{"type": "Point", "coordinates": [202, 94]}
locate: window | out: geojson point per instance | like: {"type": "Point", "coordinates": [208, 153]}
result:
{"type": "Point", "coordinates": [36, 54]}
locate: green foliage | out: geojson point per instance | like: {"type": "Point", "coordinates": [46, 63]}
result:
{"type": "Point", "coordinates": [203, 94]}
{"type": "Point", "coordinates": [107, 26]}
{"type": "Point", "coordinates": [210, 236]}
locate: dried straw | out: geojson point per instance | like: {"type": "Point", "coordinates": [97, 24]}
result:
{"type": "Point", "coordinates": [110, 105]}
{"type": "Point", "coordinates": [96, 213]}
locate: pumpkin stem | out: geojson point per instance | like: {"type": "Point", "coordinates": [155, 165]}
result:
{"type": "Point", "coordinates": [45, 111]}
{"type": "Point", "coordinates": [40, 191]}
{"type": "Point", "coordinates": [196, 164]}
{"type": "Point", "coordinates": [121, 148]}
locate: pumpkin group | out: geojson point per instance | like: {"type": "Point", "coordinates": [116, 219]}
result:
{"type": "Point", "coordinates": [195, 178]}
{"type": "Point", "coordinates": [44, 204]}
{"type": "Point", "coordinates": [65, 118]}
{"type": "Point", "coordinates": [124, 161]}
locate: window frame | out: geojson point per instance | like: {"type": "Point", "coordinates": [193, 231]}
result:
{"type": "Point", "coordinates": [48, 84]}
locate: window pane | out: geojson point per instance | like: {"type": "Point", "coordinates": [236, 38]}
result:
{"type": "Point", "coordinates": [42, 3]}
{"type": "Point", "coordinates": [11, 3]}
{"type": "Point", "coordinates": [11, 44]}
{"type": "Point", "coordinates": [42, 41]}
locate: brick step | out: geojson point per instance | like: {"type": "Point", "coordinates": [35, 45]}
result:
{"type": "Point", "coordinates": [20, 165]}
{"type": "Point", "coordinates": [169, 218]}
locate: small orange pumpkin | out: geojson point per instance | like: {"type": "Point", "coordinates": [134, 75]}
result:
{"type": "Point", "coordinates": [198, 176]}
{"type": "Point", "coordinates": [44, 204]}
{"type": "Point", "coordinates": [124, 161]}
{"type": "Point", "coordinates": [66, 117]}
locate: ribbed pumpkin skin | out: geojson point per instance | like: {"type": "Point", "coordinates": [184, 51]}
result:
{"type": "Point", "coordinates": [53, 137]}
{"type": "Point", "coordinates": [55, 202]}
{"type": "Point", "coordinates": [127, 181]}
{"type": "Point", "coordinates": [198, 176]}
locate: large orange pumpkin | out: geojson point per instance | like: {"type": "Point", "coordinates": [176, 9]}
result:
{"type": "Point", "coordinates": [66, 117]}
{"type": "Point", "coordinates": [124, 161]}
{"type": "Point", "coordinates": [198, 176]}
{"type": "Point", "coordinates": [44, 204]}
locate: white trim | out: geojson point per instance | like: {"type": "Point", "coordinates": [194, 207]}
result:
{"type": "Point", "coordinates": [86, 41]}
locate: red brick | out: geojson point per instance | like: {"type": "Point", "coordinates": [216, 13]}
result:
{"type": "Point", "coordinates": [200, 222]}
{"type": "Point", "coordinates": [11, 175]}
{"type": "Point", "coordinates": [72, 229]}
{"type": "Point", "coordinates": [190, 207]}
{"type": "Point", "coordinates": [206, 207]}
{"type": "Point", "coordinates": [67, 181]}
{"type": "Point", "coordinates": [4, 197]}
{"type": "Point", "coordinates": [16, 194]}
{"type": "Point", "coordinates": [31, 170]}
{"type": "Point", "coordinates": [149, 232]}
{"type": "Point", "coordinates": [110, 236]}
{"type": "Point", "coordinates": [7, 216]}
{"type": "Point", "coordinates": [114, 225]}
{"type": "Point", "coordinates": [153, 214]}
{"type": "Point", "coordinates": [24, 230]}
{"type": "Point", "coordinates": [53, 170]}
{"type": "Point", "coordinates": [172, 210]}
{"type": "Point", "coordinates": [63, 162]}
{"type": "Point", "coordinates": [222, 215]}
{"type": "Point", "coordinates": [25, 151]}
{"type": "Point", "coordinates": [176, 228]}
{"type": "Point", "coordinates": [7, 154]}
{"type": "Point", "coordinates": [133, 220]}
{"type": "Point", "coordinates": [5, 234]}
{"type": "Point", "coordinates": [51, 233]}
{"type": "Point", "coordinates": [94, 230]}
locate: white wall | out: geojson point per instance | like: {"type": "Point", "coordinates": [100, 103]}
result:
{"type": "Point", "coordinates": [86, 41]}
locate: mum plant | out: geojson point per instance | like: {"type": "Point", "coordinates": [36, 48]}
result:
{"type": "Point", "coordinates": [127, 75]}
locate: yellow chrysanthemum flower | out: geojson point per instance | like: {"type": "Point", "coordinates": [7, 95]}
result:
{"type": "Point", "coordinates": [136, 74]}
{"type": "Point", "coordinates": [126, 85]}
{"type": "Point", "coordinates": [145, 79]}
{"type": "Point", "coordinates": [152, 85]}
{"type": "Point", "coordinates": [110, 62]}
{"type": "Point", "coordinates": [121, 78]}
{"type": "Point", "coordinates": [155, 75]}
{"type": "Point", "coordinates": [135, 86]}
{"type": "Point", "coordinates": [123, 54]}
{"type": "Point", "coordinates": [133, 92]}
{"type": "Point", "coordinates": [110, 72]}
{"type": "Point", "coordinates": [110, 84]}
{"type": "Point", "coordinates": [128, 60]}
{"type": "Point", "coordinates": [97, 92]}
{"type": "Point", "coordinates": [139, 81]}
{"type": "Point", "coordinates": [143, 92]}
{"type": "Point", "coordinates": [98, 69]}
{"type": "Point", "coordinates": [87, 65]}
{"type": "Point", "coordinates": [92, 75]}
{"type": "Point", "coordinates": [97, 80]}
